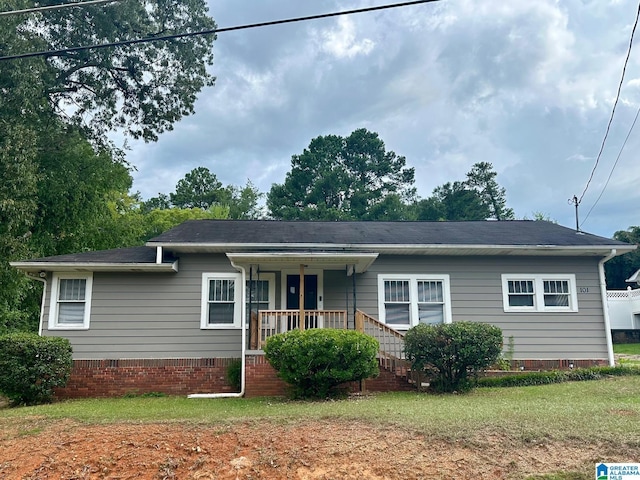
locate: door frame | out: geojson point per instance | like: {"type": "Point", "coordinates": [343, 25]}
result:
{"type": "Point", "coordinates": [310, 271]}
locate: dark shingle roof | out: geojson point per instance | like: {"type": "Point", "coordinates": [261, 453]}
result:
{"type": "Point", "coordinates": [515, 232]}
{"type": "Point", "coordinates": [115, 255]}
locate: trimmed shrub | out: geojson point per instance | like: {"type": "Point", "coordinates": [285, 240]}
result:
{"type": "Point", "coordinates": [32, 366]}
{"type": "Point", "coordinates": [316, 361]}
{"type": "Point", "coordinates": [557, 376]}
{"type": "Point", "coordinates": [449, 353]}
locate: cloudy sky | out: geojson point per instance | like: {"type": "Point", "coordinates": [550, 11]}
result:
{"type": "Point", "coordinates": [526, 85]}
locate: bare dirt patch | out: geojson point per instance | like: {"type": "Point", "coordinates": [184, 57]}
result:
{"type": "Point", "coordinates": [37, 449]}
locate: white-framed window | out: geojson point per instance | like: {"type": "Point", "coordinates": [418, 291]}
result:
{"type": "Point", "coordinates": [262, 292]}
{"type": "Point", "coordinates": [221, 300]}
{"type": "Point", "coordinates": [70, 301]}
{"type": "Point", "coordinates": [407, 300]}
{"type": "Point", "coordinates": [539, 293]}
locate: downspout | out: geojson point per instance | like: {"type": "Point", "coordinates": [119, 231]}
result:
{"type": "Point", "coordinates": [605, 306]}
{"type": "Point", "coordinates": [243, 319]}
{"type": "Point", "coordinates": [44, 297]}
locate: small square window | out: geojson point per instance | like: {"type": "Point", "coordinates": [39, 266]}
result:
{"type": "Point", "coordinates": [220, 301]}
{"type": "Point", "coordinates": [539, 293]}
{"type": "Point", "coordinates": [70, 302]}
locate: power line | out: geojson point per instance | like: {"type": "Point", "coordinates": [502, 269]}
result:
{"type": "Point", "coordinates": [606, 134]}
{"type": "Point", "coordinates": [55, 7]}
{"type": "Point", "coordinates": [614, 166]}
{"type": "Point", "coordinates": [52, 53]}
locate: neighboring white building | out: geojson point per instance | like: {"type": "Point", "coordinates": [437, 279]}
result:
{"type": "Point", "coordinates": [624, 306]}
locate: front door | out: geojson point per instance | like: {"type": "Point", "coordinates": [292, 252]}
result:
{"type": "Point", "coordinates": [310, 297]}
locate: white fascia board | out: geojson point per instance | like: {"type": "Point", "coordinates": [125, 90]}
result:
{"type": "Point", "coordinates": [94, 267]}
{"type": "Point", "coordinates": [362, 261]}
{"type": "Point", "coordinates": [424, 249]}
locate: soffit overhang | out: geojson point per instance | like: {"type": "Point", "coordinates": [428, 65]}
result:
{"type": "Point", "coordinates": [324, 260]}
{"type": "Point", "coordinates": [35, 267]}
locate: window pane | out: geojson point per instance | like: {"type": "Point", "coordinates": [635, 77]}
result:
{"type": "Point", "coordinates": [556, 300]}
{"type": "Point", "coordinates": [397, 313]}
{"type": "Point", "coordinates": [259, 291]}
{"type": "Point", "coordinates": [520, 286]}
{"type": "Point", "coordinates": [430, 313]}
{"type": "Point", "coordinates": [72, 289]}
{"type": "Point", "coordinates": [221, 290]}
{"type": "Point", "coordinates": [430, 291]}
{"type": "Point", "coordinates": [221, 313]}
{"type": "Point", "coordinates": [396, 290]}
{"type": "Point", "coordinates": [521, 300]}
{"type": "Point", "coordinates": [71, 313]}
{"type": "Point", "coordinates": [556, 286]}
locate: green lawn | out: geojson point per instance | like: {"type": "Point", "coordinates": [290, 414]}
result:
{"type": "Point", "coordinates": [627, 348]}
{"type": "Point", "coordinates": [604, 410]}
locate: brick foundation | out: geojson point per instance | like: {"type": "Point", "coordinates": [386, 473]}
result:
{"type": "Point", "coordinates": [113, 378]}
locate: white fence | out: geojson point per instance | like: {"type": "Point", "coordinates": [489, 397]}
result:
{"type": "Point", "coordinates": [624, 309]}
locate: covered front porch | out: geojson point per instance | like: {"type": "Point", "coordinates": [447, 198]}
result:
{"type": "Point", "coordinates": [296, 290]}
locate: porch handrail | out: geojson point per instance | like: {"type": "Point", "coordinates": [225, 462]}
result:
{"type": "Point", "coordinates": [391, 340]}
{"type": "Point", "coordinates": [272, 322]}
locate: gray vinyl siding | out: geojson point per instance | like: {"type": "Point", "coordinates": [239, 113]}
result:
{"type": "Point", "coordinates": [476, 295]}
{"type": "Point", "coordinates": [152, 315]}
{"type": "Point", "coordinates": [157, 315]}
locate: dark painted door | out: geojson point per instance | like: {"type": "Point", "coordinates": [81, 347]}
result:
{"type": "Point", "coordinates": [310, 292]}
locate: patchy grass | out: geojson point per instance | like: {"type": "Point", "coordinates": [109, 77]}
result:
{"type": "Point", "coordinates": [627, 348]}
{"type": "Point", "coordinates": [604, 410]}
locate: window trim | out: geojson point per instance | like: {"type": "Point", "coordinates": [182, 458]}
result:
{"type": "Point", "coordinates": [538, 280]}
{"type": "Point", "coordinates": [53, 323]}
{"type": "Point", "coordinates": [238, 303]}
{"type": "Point", "coordinates": [413, 296]}
{"type": "Point", "coordinates": [271, 279]}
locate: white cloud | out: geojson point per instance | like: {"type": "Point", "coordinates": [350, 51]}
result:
{"type": "Point", "coordinates": [342, 42]}
{"type": "Point", "coordinates": [527, 86]}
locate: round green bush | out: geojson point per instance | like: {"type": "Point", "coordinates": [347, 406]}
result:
{"type": "Point", "coordinates": [450, 352]}
{"type": "Point", "coordinates": [32, 366]}
{"type": "Point", "coordinates": [316, 361]}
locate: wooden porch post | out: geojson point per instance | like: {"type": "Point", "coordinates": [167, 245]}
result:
{"type": "Point", "coordinates": [301, 295]}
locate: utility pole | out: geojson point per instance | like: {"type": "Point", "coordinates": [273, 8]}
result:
{"type": "Point", "coordinates": [575, 202]}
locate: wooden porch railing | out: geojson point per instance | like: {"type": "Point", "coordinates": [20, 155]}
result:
{"type": "Point", "coordinates": [391, 341]}
{"type": "Point", "coordinates": [271, 322]}
{"type": "Point", "coordinates": [391, 354]}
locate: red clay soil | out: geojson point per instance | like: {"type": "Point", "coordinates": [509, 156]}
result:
{"type": "Point", "coordinates": [38, 449]}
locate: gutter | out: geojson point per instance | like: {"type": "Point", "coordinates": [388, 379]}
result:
{"type": "Point", "coordinates": [605, 306]}
{"type": "Point", "coordinates": [243, 315]}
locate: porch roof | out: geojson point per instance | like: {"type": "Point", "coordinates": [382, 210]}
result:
{"type": "Point", "coordinates": [325, 260]}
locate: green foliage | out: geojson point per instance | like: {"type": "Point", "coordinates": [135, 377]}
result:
{"type": "Point", "coordinates": [482, 179]}
{"type": "Point", "coordinates": [233, 375]}
{"type": "Point", "coordinates": [479, 197]}
{"type": "Point", "coordinates": [344, 178]}
{"type": "Point", "coordinates": [452, 202]}
{"type": "Point", "coordinates": [32, 366]}
{"type": "Point", "coordinates": [201, 189]}
{"type": "Point", "coordinates": [143, 89]}
{"type": "Point", "coordinates": [316, 361]}
{"type": "Point", "coordinates": [557, 376]}
{"type": "Point", "coordinates": [451, 352]}
{"type": "Point", "coordinates": [618, 269]}
{"type": "Point", "coordinates": [198, 189]}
